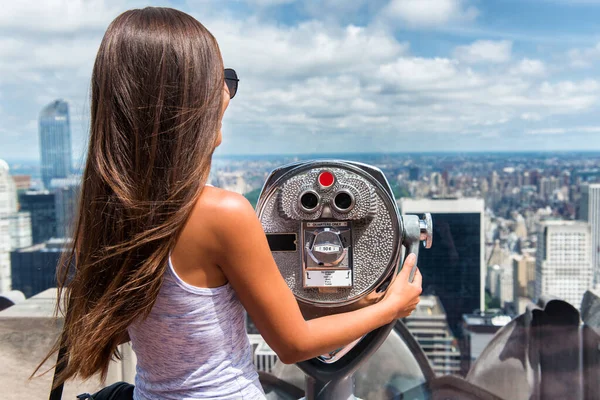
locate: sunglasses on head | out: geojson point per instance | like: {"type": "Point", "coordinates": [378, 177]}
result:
{"type": "Point", "coordinates": [231, 80]}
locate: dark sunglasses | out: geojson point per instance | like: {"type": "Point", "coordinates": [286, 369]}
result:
{"type": "Point", "coordinates": [231, 80]}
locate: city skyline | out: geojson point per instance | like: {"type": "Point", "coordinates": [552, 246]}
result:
{"type": "Point", "coordinates": [483, 114]}
{"type": "Point", "coordinates": [35, 159]}
{"type": "Point", "coordinates": [386, 75]}
{"type": "Point", "coordinates": [494, 205]}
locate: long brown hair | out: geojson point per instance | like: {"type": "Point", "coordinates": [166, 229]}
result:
{"type": "Point", "coordinates": [156, 104]}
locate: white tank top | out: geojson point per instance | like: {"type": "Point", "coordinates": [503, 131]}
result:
{"type": "Point", "coordinates": [194, 345]}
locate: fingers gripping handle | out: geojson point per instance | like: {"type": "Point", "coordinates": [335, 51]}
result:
{"type": "Point", "coordinates": [413, 248]}
{"type": "Point", "coordinates": [416, 230]}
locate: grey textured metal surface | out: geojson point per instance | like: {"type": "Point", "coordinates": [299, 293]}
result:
{"type": "Point", "coordinates": [376, 230]}
{"type": "Point", "coordinates": [398, 366]}
{"type": "Point", "coordinates": [590, 309]}
{"type": "Point", "coordinates": [362, 190]}
{"type": "Point", "coordinates": [536, 356]}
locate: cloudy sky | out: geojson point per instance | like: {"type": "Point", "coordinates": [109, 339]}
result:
{"type": "Point", "coordinates": [337, 75]}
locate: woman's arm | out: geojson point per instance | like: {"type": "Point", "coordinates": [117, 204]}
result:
{"type": "Point", "coordinates": [246, 261]}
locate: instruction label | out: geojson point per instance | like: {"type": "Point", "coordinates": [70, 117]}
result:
{"type": "Point", "coordinates": [337, 278]}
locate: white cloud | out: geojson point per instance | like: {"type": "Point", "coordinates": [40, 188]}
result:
{"type": "Point", "coordinates": [485, 51]}
{"type": "Point", "coordinates": [303, 82]}
{"type": "Point", "coordinates": [584, 58]}
{"type": "Point", "coordinates": [420, 74]}
{"type": "Point", "coordinates": [531, 116]}
{"type": "Point", "coordinates": [60, 15]}
{"type": "Point", "coordinates": [71, 56]}
{"type": "Point", "coordinates": [529, 67]}
{"type": "Point", "coordinates": [269, 3]}
{"type": "Point", "coordinates": [562, 131]}
{"type": "Point", "coordinates": [309, 49]}
{"type": "Point", "coordinates": [546, 131]}
{"type": "Point", "coordinates": [401, 93]}
{"type": "Point", "coordinates": [430, 13]}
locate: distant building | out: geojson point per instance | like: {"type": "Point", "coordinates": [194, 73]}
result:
{"type": "Point", "coordinates": [233, 181]}
{"type": "Point", "coordinates": [589, 208]}
{"type": "Point", "coordinates": [501, 284]}
{"type": "Point", "coordinates": [436, 184]}
{"type": "Point", "coordinates": [524, 276]}
{"type": "Point", "coordinates": [19, 229]}
{"type": "Point", "coordinates": [498, 255]}
{"type": "Point", "coordinates": [264, 357]}
{"type": "Point", "coordinates": [34, 267]}
{"type": "Point", "coordinates": [454, 268]}
{"type": "Point", "coordinates": [526, 178]}
{"type": "Point", "coordinates": [22, 183]}
{"type": "Point", "coordinates": [5, 278]}
{"type": "Point", "coordinates": [414, 173]}
{"type": "Point", "coordinates": [429, 326]}
{"type": "Point", "coordinates": [563, 262]}
{"type": "Point", "coordinates": [8, 207]}
{"type": "Point", "coordinates": [8, 190]}
{"type": "Point", "coordinates": [479, 329]}
{"type": "Point", "coordinates": [66, 192]}
{"type": "Point", "coordinates": [42, 208]}
{"type": "Point", "coordinates": [55, 141]}
{"type": "Point", "coordinates": [500, 278]}
{"type": "Point", "coordinates": [520, 227]}
{"type": "Point", "coordinates": [548, 186]}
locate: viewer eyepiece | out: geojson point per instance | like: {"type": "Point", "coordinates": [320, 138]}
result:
{"type": "Point", "coordinates": [309, 200]}
{"type": "Point", "coordinates": [343, 201]}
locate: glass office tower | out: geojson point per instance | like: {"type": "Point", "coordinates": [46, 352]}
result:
{"type": "Point", "coordinates": [55, 141]}
{"type": "Point", "coordinates": [453, 269]}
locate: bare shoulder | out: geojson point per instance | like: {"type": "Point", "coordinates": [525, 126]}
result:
{"type": "Point", "coordinates": [220, 202]}
{"type": "Point", "coordinates": [224, 211]}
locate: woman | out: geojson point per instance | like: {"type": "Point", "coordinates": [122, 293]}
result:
{"type": "Point", "coordinates": [164, 259]}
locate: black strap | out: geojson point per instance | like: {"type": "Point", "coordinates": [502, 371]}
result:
{"type": "Point", "coordinates": [61, 363]}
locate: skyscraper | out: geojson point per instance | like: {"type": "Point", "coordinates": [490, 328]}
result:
{"type": "Point", "coordinates": [413, 173]}
{"type": "Point", "coordinates": [15, 227]}
{"type": "Point", "coordinates": [55, 141]}
{"type": "Point", "coordinates": [429, 326]}
{"type": "Point", "coordinates": [479, 329]}
{"type": "Point", "coordinates": [20, 229]}
{"type": "Point", "coordinates": [524, 275]}
{"type": "Point", "coordinates": [43, 214]}
{"type": "Point", "coordinates": [548, 186]}
{"type": "Point", "coordinates": [8, 206]}
{"type": "Point", "coordinates": [563, 260]}
{"type": "Point", "coordinates": [589, 209]}
{"type": "Point", "coordinates": [34, 267]}
{"type": "Point", "coordinates": [454, 268]}
{"type": "Point", "coordinates": [66, 192]}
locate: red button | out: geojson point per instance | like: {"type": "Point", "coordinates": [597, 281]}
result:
{"type": "Point", "coordinates": [326, 179]}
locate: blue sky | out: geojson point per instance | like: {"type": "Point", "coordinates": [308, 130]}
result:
{"type": "Point", "coordinates": [336, 75]}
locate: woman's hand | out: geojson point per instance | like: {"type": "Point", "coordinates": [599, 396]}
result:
{"type": "Point", "coordinates": [402, 296]}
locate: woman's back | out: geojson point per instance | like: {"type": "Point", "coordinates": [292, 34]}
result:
{"type": "Point", "coordinates": [194, 345]}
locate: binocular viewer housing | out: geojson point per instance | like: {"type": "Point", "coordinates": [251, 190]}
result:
{"type": "Point", "coordinates": [335, 232]}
